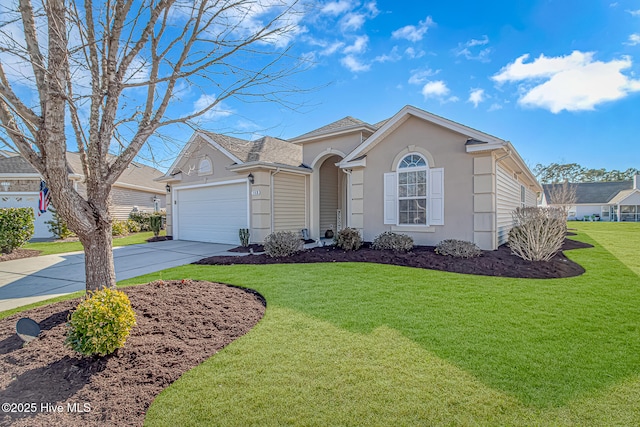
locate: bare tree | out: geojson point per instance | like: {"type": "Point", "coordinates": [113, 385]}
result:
{"type": "Point", "coordinates": [106, 75]}
{"type": "Point", "coordinates": [563, 196]}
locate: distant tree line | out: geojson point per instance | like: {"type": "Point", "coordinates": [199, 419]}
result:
{"type": "Point", "coordinates": [573, 172]}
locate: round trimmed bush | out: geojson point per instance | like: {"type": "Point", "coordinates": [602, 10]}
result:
{"type": "Point", "coordinates": [393, 241]}
{"type": "Point", "coordinates": [282, 244]}
{"type": "Point", "coordinates": [458, 248]}
{"type": "Point", "coordinates": [349, 239]}
{"type": "Point", "coordinates": [101, 323]}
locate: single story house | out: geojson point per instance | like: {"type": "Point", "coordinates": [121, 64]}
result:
{"type": "Point", "coordinates": [604, 201]}
{"type": "Point", "coordinates": [136, 189]}
{"type": "Point", "coordinates": [415, 173]}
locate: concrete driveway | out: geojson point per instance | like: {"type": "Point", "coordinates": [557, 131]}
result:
{"type": "Point", "coordinates": [28, 280]}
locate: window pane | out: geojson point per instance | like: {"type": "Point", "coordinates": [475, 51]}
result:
{"type": "Point", "coordinates": [422, 176]}
{"type": "Point", "coordinates": [412, 161]}
{"type": "Point", "coordinates": [402, 178]}
{"type": "Point", "coordinates": [413, 211]}
{"type": "Point", "coordinates": [402, 190]}
{"type": "Point", "coordinates": [422, 190]}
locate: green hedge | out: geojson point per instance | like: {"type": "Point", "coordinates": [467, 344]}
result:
{"type": "Point", "coordinates": [16, 228]}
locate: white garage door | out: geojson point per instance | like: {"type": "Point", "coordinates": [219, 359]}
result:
{"type": "Point", "coordinates": [29, 200]}
{"type": "Point", "coordinates": [212, 214]}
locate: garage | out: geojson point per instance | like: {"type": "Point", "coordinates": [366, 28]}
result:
{"type": "Point", "coordinates": [29, 200]}
{"type": "Point", "coordinates": [212, 213]}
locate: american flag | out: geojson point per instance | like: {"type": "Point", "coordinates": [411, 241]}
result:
{"type": "Point", "coordinates": [43, 204]}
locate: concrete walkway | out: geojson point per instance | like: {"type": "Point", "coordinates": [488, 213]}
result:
{"type": "Point", "coordinates": [28, 280]}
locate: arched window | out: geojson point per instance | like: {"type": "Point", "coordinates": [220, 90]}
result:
{"type": "Point", "coordinates": [412, 190]}
{"type": "Point", "coordinates": [205, 167]}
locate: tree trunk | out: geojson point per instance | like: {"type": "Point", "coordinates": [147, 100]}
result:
{"type": "Point", "coordinates": [98, 259]}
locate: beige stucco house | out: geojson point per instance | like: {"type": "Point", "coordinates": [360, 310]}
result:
{"type": "Point", "coordinates": [135, 189]}
{"type": "Point", "coordinates": [415, 173]}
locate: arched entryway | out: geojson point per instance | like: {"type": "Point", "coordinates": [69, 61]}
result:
{"type": "Point", "coordinates": [329, 197]}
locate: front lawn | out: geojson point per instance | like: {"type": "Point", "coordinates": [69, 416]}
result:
{"type": "Point", "coordinates": [51, 248]}
{"type": "Point", "coordinates": [365, 344]}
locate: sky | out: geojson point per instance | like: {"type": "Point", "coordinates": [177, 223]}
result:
{"type": "Point", "coordinates": [560, 79]}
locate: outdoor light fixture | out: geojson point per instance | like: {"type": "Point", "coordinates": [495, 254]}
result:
{"type": "Point", "coordinates": [251, 178]}
{"type": "Point", "coordinates": [168, 187]}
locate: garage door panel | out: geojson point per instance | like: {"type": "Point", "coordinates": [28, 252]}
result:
{"type": "Point", "coordinates": [212, 214]}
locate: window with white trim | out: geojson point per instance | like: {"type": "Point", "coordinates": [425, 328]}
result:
{"type": "Point", "coordinates": [523, 196]}
{"type": "Point", "coordinates": [414, 193]}
{"type": "Point", "coordinates": [412, 190]}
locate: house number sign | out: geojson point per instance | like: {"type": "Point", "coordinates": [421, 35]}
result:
{"type": "Point", "coordinates": [255, 192]}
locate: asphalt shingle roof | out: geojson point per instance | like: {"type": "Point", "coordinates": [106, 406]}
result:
{"type": "Point", "coordinates": [266, 149]}
{"type": "Point", "coordinates": [594, 192]}
{"type": "Point", "coordinates": [15, 164]}
{"type": "Point", "coordinates": [346, 122]}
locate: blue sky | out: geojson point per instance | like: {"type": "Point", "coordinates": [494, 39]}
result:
{"type": "Point", "coordinates": [560, 79]}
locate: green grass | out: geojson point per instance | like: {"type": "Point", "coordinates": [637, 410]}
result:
{"type": "Point", "coordinates": [51, 248]}
{"type": "Point", "coordinates": [365, 344]}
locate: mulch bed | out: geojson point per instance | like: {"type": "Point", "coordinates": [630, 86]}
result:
{"type": "Point", "coordinates": [500, 263]}
{"type": "Point", "coordinates": [179, 325]}
{"type": "Point", "coordinates": [19, 254]}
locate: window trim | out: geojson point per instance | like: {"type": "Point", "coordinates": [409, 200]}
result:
{"type": "Point", "coordinates": [210, 169]}
{"type": "Point", "coordinates": [400, 169]}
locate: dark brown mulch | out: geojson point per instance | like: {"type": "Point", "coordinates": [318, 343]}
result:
{"type": "Point", "coordinates": [500, 263]}
{"type": "Point", "coordinates": [179, 325]}
{"type": "Point", "coordinates": [19, 254]}
{"type": "Point", "coordinates": [159, 239]}
{"type": "Point", "coordinates": [246, 249]}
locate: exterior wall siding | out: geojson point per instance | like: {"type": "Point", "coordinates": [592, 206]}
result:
{"type": "Point", "coordinates": [289, 202]}
{"type": "Point", "coordinates": [21, 185]}
{"type": "Point", "coordinates": [448, 151]}
{"type": "Point", "coordinates": [507, 200]}
{"type": "Point", "coordinates": [123, 200]}
{"type": "Point", "coordinates": [329, 191]}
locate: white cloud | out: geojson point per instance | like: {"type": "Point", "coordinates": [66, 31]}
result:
{"type": "Point", "coordinates": [336, 7]}
{"type": "Point", "coordinates": [634, 12]}
{"type": "Point", "coordinates": [410, 52]}
{"type": "Point", "coordinates": [354, 65]}
{"type": "Point", "coordinates": [466, 49]}
{"type": "Point", "coordinates": [575, 82]}
{"type": "Point", "coordinates": [634, 39]}
{"type": "Point", "coordinates": [358, 46]}
{"type": "Point", "coordinates": [495, 107]}
{"type": "Point", "coordinates": [392, 56]}
{"type": "Point", "coordinates": [476, 96]}
{"type": "Point", "coordinates": [414, 33]}
{"type": "Point", "coordinates": [218, 111]}
{"type": "Point", "coordinates": [352, 22]}
{"type": "Point", "coordinates": [418, 77]}
{"type": "Point", "coordinates": [436, 89]}
{"type": "Point", "coordinates": [332, 48]}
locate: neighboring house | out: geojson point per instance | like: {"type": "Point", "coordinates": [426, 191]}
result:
{"type": "Point", "coordinates": [415, 173]}
{"type": "Point", "coordinates": [605, 201]}
{"type": "Point", "coordinates": [136, 189]}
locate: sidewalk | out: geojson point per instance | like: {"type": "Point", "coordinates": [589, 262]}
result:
{"type": "Point", "coordinates": [28, 280]}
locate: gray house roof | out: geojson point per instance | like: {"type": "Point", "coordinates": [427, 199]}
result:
{"type": "Point", "coordinates": [15, 164]}
{"type": "Point", "coordinates": [266, 149]}
{"type": "Point", "coordinates": [594, 192]}
{"type": "Point", "coordinates": [136, 174]}
{"type": "Point", "coordinates": [342, 124]}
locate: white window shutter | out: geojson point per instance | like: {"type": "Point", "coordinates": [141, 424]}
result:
{"type": "Point", "coordinates": [436, 196]}
{"type": "Point", "coordinates": [390, 198]}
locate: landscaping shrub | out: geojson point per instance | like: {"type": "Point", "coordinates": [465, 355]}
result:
{"type": "Point", "coordinates": [16, 228]}
{"type": "Point", "coordinates": [282, 244]}
{"type": "Point", "coordinates": [538, 233]}
{"type": "Point", "coordinates": [243, 233]}
{"type": "Point", "coordinates": [394, 241]}
{"type": "Point", "coordinates": [143, 218]}
{"type": "Point", "coordinates": [349, 239]}
{"type": "Point", "coordinates": [101, 323]}
{"type": "Point", "coordinates": [57, 226]}
{"type": "Point", "coordinates": [133, 226]}
{"type": "Point", "coordinates": [118, 228]}
{"type": "Point", "coordinates": [458, 248]}
{"type": "Point", "coordinates": [155, 222]}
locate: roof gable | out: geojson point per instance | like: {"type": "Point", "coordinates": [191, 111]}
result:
{"type": "Point", "coordinates": [403, 115]}
{"type": "Point", "coordinates": [345, 124]}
